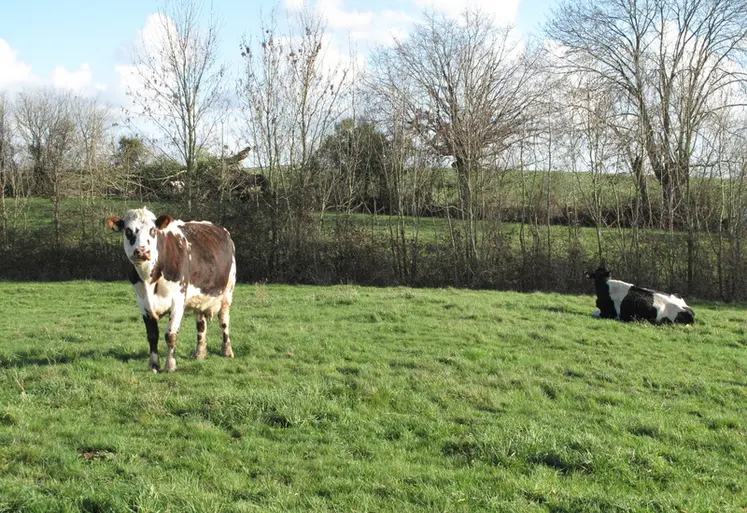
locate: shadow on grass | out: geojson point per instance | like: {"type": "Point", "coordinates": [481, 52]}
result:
{"type": "Point", "coordinates": [27, 358]}
{"type": "Point", "coordinates": [564, 310]}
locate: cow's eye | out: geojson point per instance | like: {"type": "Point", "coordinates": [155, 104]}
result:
{"type": "Point", "coordinates": [153, 232]}
{"type": "Point", "coordinates": [128, 233]}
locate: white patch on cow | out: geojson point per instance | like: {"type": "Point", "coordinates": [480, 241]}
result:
{"type": "Point", "coordinates": [170, 362]}
{"type": "Point", "coordinates": [668, 306]}
{"type": "Point", "coordinates": [618, 291]}
{"type": "Point", "coordinates": [175, 321]}
{"type": "Point", "coordinates": [231, 279]}
{"type": "Point", "coordinates": [199, 302]}
{"type": "Point", "coordinates": [156, 298]}
{"type": "Point", "coordinates": [139, 216]}
{"type": "Point", "coordinates": [174, 227]}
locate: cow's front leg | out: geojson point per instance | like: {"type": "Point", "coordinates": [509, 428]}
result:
{"type": "Point", "coordinates": [175, 321]}
{"type": "Point", "coordinates": [151, 327]}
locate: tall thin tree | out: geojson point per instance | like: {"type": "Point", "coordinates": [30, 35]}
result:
{"type": "Point", "coordinates": [180, 84]}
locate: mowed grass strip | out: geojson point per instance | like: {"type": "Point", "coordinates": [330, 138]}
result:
{"type": "Point", "coordinates": [360, 399]}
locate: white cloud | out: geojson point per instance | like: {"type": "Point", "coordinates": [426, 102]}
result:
{"type": "Point", "coordinates": [338, 18]}
{"type": "Point", "coordinates": [80, 80]}
{"type": "Point", "coordinates": [505, 11]}
{"type": "Point", "coordinates": [152, 37]}
{"type": "Point", "coordinates": [363, 26]}
{"type": "Point", "coordinates": [156, 30]}
{"type": "Point", "coordinates": [387, 26]}
{"type": "Point", "coordinates": [128, 78]}
{"type": "Point", "coordinates": [13, 72]}
{"type": "Point", "coordinates": [15, 75]}
{"type": "Point", "coordinates": [294, 5]}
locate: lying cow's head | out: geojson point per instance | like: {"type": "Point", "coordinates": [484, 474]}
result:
{"type": "Point", "coordinates": [600, 275]}
{"type": "Point", "coordinates": [140, 228]}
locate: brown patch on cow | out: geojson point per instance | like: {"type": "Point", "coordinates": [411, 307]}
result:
{"type": "Point", "coordinates": [115, 223]}
{"type": "Point", "coordinates": [171, 340]}
{"type": "Point", "coordinates": [172, 257]}
{"type": "Point", "coordinates": [163, 221]}
{"type": "Point", "coordinates": [201, 350]}
{"type": "Point", "coordinates": [211, 250]}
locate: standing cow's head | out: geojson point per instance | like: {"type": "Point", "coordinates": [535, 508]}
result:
{"type": "Point", "coordinates": [601, 275]}
{"type": "Point", "coordinates": [140, 228]}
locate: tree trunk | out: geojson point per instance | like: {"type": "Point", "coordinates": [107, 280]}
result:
{"type": "Point", "coordinates": [462, 167]}
{"type": "Point", "coordinates": [643, 205]}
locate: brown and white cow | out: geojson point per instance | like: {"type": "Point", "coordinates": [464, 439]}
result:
{"type": "Point", "coordinates": [178, 266]}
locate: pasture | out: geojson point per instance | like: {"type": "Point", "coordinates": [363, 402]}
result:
{"type": "Point", "coordinates": [350, 398]}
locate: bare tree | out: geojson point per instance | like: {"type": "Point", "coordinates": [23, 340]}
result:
{"type": "Point", "coordinates": [589, 154]}
{"type": "Point", "coordinates": [92, 122]}
{"type": "Point", "coordinates": [180, 83]}
{"type": "Point", "coordinates": [130, 158]}
{"type": "Point", "coordinates": [410, 172]}
{"type": "Point", "coordinates": [290, 97]}
{"type": "Point", "coordinates": [468, 89]}
{"type": "Point", "coordinates": [46, 125]}
{"type": "Point", "coordinates": [6, 161]}
{"type": "Point", "coordinates": [666, 59]}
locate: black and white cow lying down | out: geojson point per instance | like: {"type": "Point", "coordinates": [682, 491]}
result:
{"type": "Point", "coordinates": [626, 302]}
{"type": "Point", "coordinates": [178, 266]}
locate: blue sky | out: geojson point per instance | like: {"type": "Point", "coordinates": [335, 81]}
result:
{"type": "Point", "coordinates": [79, 43]}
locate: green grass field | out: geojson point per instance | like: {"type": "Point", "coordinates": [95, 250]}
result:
{"type": "Point", "coordinates": [357, 399]}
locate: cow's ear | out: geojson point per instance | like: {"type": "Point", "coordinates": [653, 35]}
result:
{"type": "Point", "coordinates": [587, 275]}
{"type": "Point", "coordinates": [163, 221]}
{"type": "Point", "coordinates": [115, 224]}
{"type": "Point", "coordinates": [607, 273]}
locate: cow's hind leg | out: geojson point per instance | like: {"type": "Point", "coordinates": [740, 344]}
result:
{"type": "Point", "coordinates": [225, 319]}
{"type": "Point", "coordinates": [151, 326]}
{"type": "Point", "coordinates": [201, 350]}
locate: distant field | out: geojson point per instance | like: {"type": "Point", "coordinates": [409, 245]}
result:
{"type": "Point", "coordinates": [358, 399]}
{"type": "Point", "coordinates": [79, 217]}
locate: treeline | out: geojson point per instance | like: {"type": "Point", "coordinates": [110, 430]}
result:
{"type": "Point", "coordinates": [456, 157]}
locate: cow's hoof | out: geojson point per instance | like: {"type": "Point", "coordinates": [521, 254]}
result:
{"type": "Point", "coordinates": [227, 352]}
{"type": "Point", "coordinates": [170, 366]}
{"type": "Point", "coordinates": [153, 365]}
{"type": "Point", "coordinates": [199, 355]}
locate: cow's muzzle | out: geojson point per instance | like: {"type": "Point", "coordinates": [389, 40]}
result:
{"type": "Point", "coordinates": [141, 254]}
